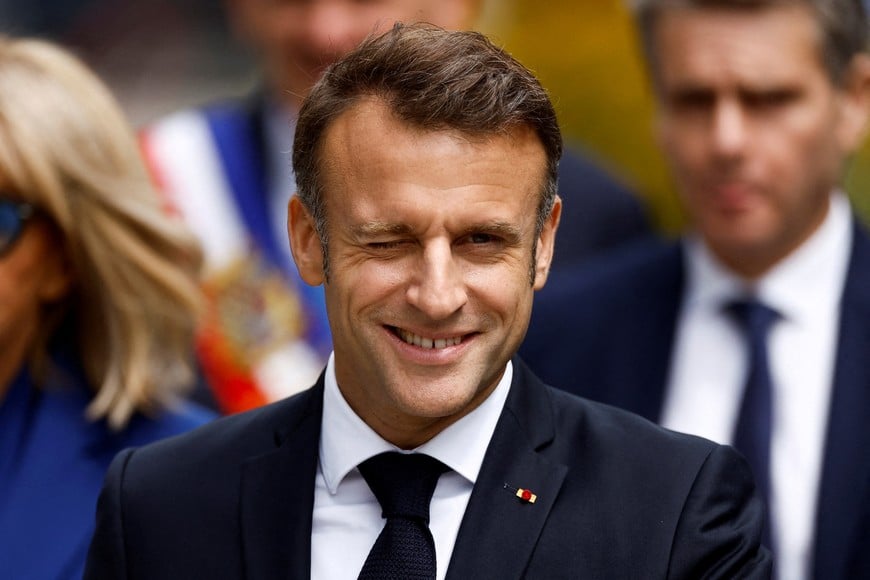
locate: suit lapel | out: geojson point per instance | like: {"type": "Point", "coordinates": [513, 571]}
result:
{"type": "Point", "coordinates": [845, 483]}
{"type": "Point", "coordinates": [277, 497]}
{"type": "Point", "coordinates": [499, 531]}
{"type": "Point", "coordinates": [646, 342]}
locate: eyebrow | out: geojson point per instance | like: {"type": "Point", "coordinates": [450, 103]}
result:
{"type": "Point", "coordinates": [372, 229]}
{"type": "Point", "coordinates": [509, 231]}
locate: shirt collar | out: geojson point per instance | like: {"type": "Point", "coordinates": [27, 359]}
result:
{"type": "Point", "coordinates": [810, 277]}
{"type": "Point", "coordinates": [346, 440]}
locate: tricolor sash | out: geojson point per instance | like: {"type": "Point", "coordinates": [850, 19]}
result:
{"type": "Point", "coordinates": [265, 334]}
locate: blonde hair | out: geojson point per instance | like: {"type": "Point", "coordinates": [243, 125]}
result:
{"type": "Point", "coordinates": [66, 147]}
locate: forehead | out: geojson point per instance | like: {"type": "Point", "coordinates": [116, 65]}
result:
{"type": "Point", "coordinates": [367, 149]}
{"type": "Point", "coordinates": [716, 46]}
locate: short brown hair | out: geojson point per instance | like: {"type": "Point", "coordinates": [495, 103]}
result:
{"type": "Point", "coordinates": [842, 24]}
{"type": "Point", "coordinates": [432, 79]}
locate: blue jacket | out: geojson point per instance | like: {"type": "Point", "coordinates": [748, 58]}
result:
{"type": "Point", "coordinates": [52, 464]}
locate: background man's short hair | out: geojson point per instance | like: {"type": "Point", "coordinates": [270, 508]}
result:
{"type": "Point", "coordinates": [842, 23]}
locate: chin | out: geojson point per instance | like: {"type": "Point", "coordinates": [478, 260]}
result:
{"type": "Point", "coordinates": [436, 405]}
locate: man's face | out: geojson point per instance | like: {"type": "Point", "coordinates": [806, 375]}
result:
{"type": "Point", "coordinates": [297, 39]}
{"type": "Point", "coordinates": [431, 238]}
{"type": "Point", "coordinates": [755, 130]}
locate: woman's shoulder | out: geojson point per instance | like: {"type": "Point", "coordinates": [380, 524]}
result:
{"type": "Point", "coordinates": [179, 418]}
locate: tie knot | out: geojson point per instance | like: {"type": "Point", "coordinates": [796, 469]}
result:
{"type": "Point", "coordinates": [755, 318]}
{"type": "Point", "coordinates": [403, 483]}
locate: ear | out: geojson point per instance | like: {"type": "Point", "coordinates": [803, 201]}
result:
{"type": "Point", "coordinates": [304, 243]}
{"type": "Point", "coordinates": [855, 104]}
{"type": "Point", "coordinates": [546, 244]}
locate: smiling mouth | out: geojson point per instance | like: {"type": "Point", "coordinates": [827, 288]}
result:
{"type": "Point", "coordinates": [425, 342]}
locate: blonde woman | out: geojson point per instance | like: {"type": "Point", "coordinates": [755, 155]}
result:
{"type": "Point", "coordinates": [98, 293]}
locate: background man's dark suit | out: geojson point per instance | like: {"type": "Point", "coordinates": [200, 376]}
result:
{"type": "Point", "coordinates": [617, 498]}
{"type": "Point", "coordinates": [614, 345]}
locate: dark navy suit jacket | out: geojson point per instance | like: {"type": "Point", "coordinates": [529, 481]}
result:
{"type": "Point", "coordinates": [598, 212]}
{"type": "Point", "coordinates": [617, 497]}
{"type": "Point", "coordinates": [607, 331]}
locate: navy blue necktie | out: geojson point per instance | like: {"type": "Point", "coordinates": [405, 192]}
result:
{"type": "Point", "coordinates": [752, 435]}
{"type": "Point", "coordinates": [403, 484]}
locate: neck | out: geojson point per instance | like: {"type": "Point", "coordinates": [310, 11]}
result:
{"type": "Point", "coordinates": [752, 262]}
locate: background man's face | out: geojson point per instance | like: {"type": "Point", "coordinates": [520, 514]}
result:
{"type": "Point", "coordinates": [754, 129]}
{"type": "Point", "coordinates": [297, 39]}
{"type": "Point", "coordinates": [430, 244]}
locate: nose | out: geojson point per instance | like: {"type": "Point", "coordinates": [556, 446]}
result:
{"type": "Point", "coordinates": [729, 130]}
{"type": "Point", "coordinates": [438, 288]}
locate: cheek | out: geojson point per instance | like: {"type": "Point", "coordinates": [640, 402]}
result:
{"type": "Point", "coordinates": [19, 305]}
{"type": "Point", "coordinates": [799, 165]}
{"type": "Point", "coordinates": [684, 151]}
{"type": "Point", "coordinates": [360, 284]}
{"type": "Point", "coordinates": [505, 294]}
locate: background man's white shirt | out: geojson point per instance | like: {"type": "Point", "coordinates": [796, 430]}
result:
{"type": "Point", "coordinates": [709, 364]}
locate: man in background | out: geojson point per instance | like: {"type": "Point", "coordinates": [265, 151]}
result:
{"type": "Point", "coordinates": [226, 169]}
{"type": "Point", "coordinates": [754, 329]}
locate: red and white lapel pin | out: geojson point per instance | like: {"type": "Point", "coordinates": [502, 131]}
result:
{"type": "Point", "coordinates": [525, 495]}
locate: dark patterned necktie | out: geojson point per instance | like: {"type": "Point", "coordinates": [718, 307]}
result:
{"type": "Point", "coordinates": [404, 485]}
{"type": "Point", "coordinates": [752, 434]}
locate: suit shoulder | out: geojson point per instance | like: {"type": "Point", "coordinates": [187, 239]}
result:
{"type": "Point", "coordinates": [224, 442]}
{"type": "Point", "coordinates": [617, 273]}
{"type": "Point", "coordinates": [625, 437]}
{"type": "Point", "coordinates": [582, 310]}
{"type": "Point", "coordinates": [578, 174]}
{"type": "Point", "coordinates": [173, 421]}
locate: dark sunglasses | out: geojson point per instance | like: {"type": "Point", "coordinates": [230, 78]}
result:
{"type": "Point", "coordinates": [13, 217]}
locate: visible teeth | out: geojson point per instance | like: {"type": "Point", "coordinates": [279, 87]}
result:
{"type": "Point", "coordinates": [423, 342]}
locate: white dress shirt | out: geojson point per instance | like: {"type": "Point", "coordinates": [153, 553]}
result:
{"type": "Point", "coordinates": [709, 366]}
{"type": "Point", "coordinates": [347, 516]}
